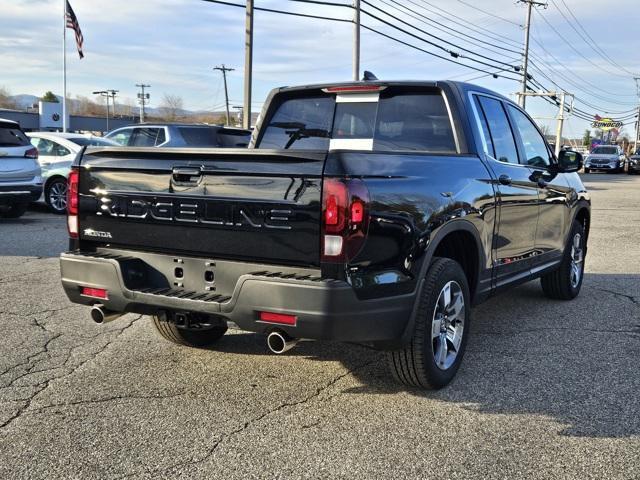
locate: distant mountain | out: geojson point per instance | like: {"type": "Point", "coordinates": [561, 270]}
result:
{"type": "Point", "coordinates": [24, 100]}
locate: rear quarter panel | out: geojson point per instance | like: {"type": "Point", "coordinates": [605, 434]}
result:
{"type": "Point", "coordinates": [414, 198]}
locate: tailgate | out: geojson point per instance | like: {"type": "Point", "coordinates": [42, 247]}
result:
{"type": "Point", "coordinates": [221, 203]}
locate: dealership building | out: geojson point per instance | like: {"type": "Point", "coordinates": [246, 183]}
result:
{"type": "Point", "coordinates": [49, 118]}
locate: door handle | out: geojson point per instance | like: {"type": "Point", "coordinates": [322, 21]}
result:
{"type": "Point", "coordinates": [186, 174]}
{"type": "Point", "coordinates": [504, 179]}
{"type": "Point", "coordinates": [192, 172]}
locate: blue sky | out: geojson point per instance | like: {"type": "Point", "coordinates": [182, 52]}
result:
{"type": "Point", "coordinates": [173, 45]}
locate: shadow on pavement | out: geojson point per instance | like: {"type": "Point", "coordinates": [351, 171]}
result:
{"type": "Point", "coordinates": [573, 362]}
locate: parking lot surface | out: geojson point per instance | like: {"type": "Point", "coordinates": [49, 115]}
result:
{"type": "Point", "coordinates": [548, 389]}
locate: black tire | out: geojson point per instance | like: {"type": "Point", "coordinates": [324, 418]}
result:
{"type": "Point", "coordinates": [561, 284]}
{"type": "Point", "coordinates": [52, 191]}
{"type": "Point", "coordinates": [202, 336]}
{"type": "Point", "coordinates": [15, 210]}
{"type": "Point", "coordinates": [416, 365]}
{"type": "Point", "coordinates": [586, 170]}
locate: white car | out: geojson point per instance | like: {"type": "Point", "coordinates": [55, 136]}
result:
{"type": "Point", "coordinates": [56, 154]}
{"type": "Point", "coordinates": [20, 180]}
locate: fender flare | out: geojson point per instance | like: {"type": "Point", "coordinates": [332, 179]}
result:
{"type": "Point", "coordinates": [436, 239]}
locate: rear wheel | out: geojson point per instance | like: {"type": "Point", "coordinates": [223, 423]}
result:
{"type": "Point", "coordinates": [200, 331]}
{"type": "Point", "coordinates": [435, 352]}
{"type": "Point", "coordinates": [55, 195]}
{"type": "Point", "coordinates": [15, 210]}
{"type": "Point", "coordinates": [565, 282]}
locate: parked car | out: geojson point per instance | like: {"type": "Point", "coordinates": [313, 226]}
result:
{"type": "Point", "coordinates": [608, 158]}
{"type": "Point", "coordinates": [56, 154]}
{"type": "Point", "coordinates": [634, 163]}
{"type": "Point", "coordinates": [20, 176]}
{"type": "Point", "coordinates": [377, 213]}
{"type": "Point", "coordinates": [180, 135]}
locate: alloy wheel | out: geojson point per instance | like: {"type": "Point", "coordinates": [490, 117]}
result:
{"type": "Point", "coordinates": [58, 196]}
{"type": "Point", "coordinates": [447, 325]}
{"type": "Point", "coordinates": [577, 258]}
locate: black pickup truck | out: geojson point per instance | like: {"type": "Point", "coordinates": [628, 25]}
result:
{"type": "Point", "coordinates": [377, 213]}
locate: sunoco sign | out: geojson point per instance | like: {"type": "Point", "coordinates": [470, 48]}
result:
{"type": "Point", "coordinates": [606, 124]}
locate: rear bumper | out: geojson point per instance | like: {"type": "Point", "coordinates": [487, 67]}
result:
{"type": "Point", "coordinates": [325, 309]}
{"type": "Point", "coordinates": [19, 193]}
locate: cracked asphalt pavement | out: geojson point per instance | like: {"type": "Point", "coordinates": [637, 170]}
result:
{"type": "Point", "coordinates": [547, 389]}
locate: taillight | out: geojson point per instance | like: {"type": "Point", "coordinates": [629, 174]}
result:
{"type": "Point", "coordinates": [94, 292]}
{"type": "Point", "coordinates": [345, 218]}
{"type": "Point", "coordinates": [31, 153]}
{"type": "Point", "coordinates": [72, 203]}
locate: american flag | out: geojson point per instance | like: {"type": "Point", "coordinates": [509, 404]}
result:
{"type": "Point", "coordinates": [72, 23]}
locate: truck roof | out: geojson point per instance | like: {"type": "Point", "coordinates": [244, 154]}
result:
{"type": "Point", "coordinates": [461, 86]}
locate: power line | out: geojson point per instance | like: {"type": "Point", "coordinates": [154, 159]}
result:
{"type": "Point", "coordinates": [578, 52]}
{"type": "Point", "coordinates": [445, 49]}
{"type": "Point", "coordinates": [463, 22]}
{"type": "Point", "coordinates": [390, 37]}
{"type": "Point", "coordinates": [589, 40]}
{"type": "Point", "coordinates": [489, 14]}
{"type": "Point", "coordinates": [459, 35]}
{"type": "Point", "coordinates": [573, 80]}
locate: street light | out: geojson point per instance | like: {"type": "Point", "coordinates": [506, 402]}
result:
{"type": "Point", "coordinates": [107, 94]}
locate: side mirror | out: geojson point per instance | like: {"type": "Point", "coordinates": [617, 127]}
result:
{"type": "Point", "coordinates": [569, 161]}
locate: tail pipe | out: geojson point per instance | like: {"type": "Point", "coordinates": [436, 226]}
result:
{"type": "Point", "coordinates": [101, 315]}
{"type": "Point", "coordinates": [279, 342]}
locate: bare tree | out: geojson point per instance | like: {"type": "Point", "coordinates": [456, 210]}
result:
{"type": "Point", "coordinates": [5, 99]}
{"type": "Point", "coordinates": [171, 107]}
{"type": "Point", "coordinates": [85, 106]}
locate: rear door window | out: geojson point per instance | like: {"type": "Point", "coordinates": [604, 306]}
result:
{"type": "Point", "coordinates": [144, 137]}
{"type": "Point", "coordinates": [500, 131]}
{"type": "Point", "coordinates": [12, 137]}
{"type": "Point", "coordinates": [413, 121]}
{"type": "Point", "coordinates": [122, 136]}
{"type": "Point", "coordinates": [45, 147]}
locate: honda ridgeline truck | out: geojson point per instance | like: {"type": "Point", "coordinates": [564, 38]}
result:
{"type": "Point", "coordinates": [376, 213]}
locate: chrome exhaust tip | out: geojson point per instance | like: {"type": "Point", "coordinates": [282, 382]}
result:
{"type": "Point", "coordinates": [279, 342]}
{"type": "Point", "coordinates": [101, 315]}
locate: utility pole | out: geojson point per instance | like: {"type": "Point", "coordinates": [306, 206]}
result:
{"type": "Point", "coordinates": [525, 63]}
{"type": "Point", "coordinates": [635, 139]}
{"type": "Point", "coordinates": [224, 71]}
{"type": "Point", "coordinates": [356, 40]}
{"type": "Point", "coordinates": [108, 94]}
{"type": "Point", "coordinates": [560, 117]}
{"type": "Point", "coordinates": [248, 66]}
{"type": "Point", "coordinates": [143, 99]}
{"type": "Point", "coordinates": [560, 124]}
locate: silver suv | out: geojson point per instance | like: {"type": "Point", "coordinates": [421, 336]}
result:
{"type": "Point", "coordinates": [20, 176]}
{"type": "Point", "coordinates": [610, 158]}
{"type": "Point", "coordinates": [180, 135]}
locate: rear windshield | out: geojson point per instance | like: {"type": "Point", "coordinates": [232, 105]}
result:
{"type": "Point", "coordinates": [605, 150]}
{"type": "Point", "coordinates": [398, 120]}
{"type": "Point", "coordinates": [12, 137]}
{"type": "Point", "coordinates": [93, 142]}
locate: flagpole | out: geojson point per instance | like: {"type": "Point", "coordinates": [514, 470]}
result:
{"type": "Point", "coordinates": [64, 65]}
